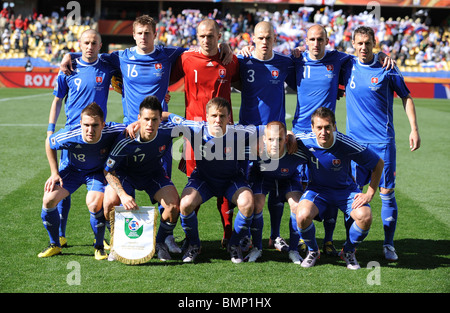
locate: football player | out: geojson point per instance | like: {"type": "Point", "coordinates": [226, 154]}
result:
{"type": "Point", "coordinates": [369, 95]}
{"type": "Point", "coordinates": [276, 172]}
{"type": "Point", "coordinates": [135, 164]}
{"type": "Point", "coordinates": [206, 76]}
{"type": "Point", "coordinates": [87, 147]}
{"type": "Point", "coordinates": [332, 187]}
{"type": "Point", "coordinates": [218, 149]}
{"type": "Point", "coordinates": [89, 82]}
{"type": "Point", "coordinates": [263, 74]}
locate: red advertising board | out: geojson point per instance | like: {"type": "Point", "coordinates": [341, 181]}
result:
{"type": "Point", "coordinates": [27, 79]}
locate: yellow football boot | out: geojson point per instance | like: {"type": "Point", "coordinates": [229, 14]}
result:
{"type": "Point", "coordinates": [100, 254]}
{"type": "Point", "coordinates": [51, 250]}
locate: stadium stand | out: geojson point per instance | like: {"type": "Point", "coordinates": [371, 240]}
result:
{"type": "Point", "coordinates": [417, 46]}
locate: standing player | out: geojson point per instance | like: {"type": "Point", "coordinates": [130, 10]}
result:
{"type": "Point", "coordinates": [218, 147]}
{"type": "Point", "coordinates": [263, 74]}
{"type": "Point", "coordinates": [332, 187]}
{"type": "Point", "coordinates": [145, 70]}
{"type": "Point", "coordinates": [369, 95]}
{"type": "Point", "coordinates": [276, 172]}
{"type": "Point", "coordinates": [317, 77]}
{"type": "Point", "coordinates": [88, 146]}
{"type": "Point", "coordinates": [206, 77]}
{"type": "Point", "coordinates": [145, 67]}
{"type": "Point", "coordinates": [135, 164]}
{"type": "Point", "coordinates": [89, 82]}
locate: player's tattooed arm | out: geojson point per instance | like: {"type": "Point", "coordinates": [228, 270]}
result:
{"type": "Point", "coordinates": [126, 200]}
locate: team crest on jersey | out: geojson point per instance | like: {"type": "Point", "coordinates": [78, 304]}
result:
{"type": "Point", "coordinates": [99, 80]}
{"type": "Point", "coordinates": [330, 68]}
{"type": "Point", "coordinates": [336, 162]}
{"type": "Point", "coordinates": [275, 73]}
{"type": "Point", "coordinates": [374, 80]}
{"type": "Point", "coordinates": [158, 66]}
{"type": "Point", "coordinates": [227, 150]}
{"type": "Point", "coordinates": [222, 73]}
{"type": "Point", "coordinates": [284, 170]}
{"type": "Point", "coordinates": [162, 148]}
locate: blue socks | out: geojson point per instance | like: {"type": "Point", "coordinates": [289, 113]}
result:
{"type": "Point", "coordinates": [98, 223]}
{"type": "Point", "coordinates": [309, 236]}
{"type": "Point", "coordinates": [294, 233]}
{"type": "Point", "coordinates": [329, 224]}
{"type": "Point", "coordinates": [189, 224]}
{"type": "Point", "coordinates": [355, 236]}
{"type": "Point", "coordinates": [165, 229]}
{"type": "Point", "coordinates": [241, 226]}
{"type": "Point", "coordinates": [256, 230]}
{"type": "Point", "coordinates": [63, 209]}
{"type": "Point", "coordinates": [276, 209]}
{"type": "Point", "coordinates": [389, 214]}
{"type": "Point", "coordinates": [51, 220]}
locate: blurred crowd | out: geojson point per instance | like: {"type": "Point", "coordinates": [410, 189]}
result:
{"type": "Point", "coordinates": [38, 36]}
{"type": "Point", "coordinates": [413, 41]}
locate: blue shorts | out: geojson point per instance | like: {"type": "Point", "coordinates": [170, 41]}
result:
{"type": "Point", "coordinates": [278, 187]}
{"type": "Point", "coordinates": [387, 152]}
{"type": "Point", "coordinates": [330, 200]}
{"type": "Point", "coordinates": [208, 190]}
{"type": "Point", "coordinates": [150, 182]}
{"type": "Point", "coordinates": [72, 180]}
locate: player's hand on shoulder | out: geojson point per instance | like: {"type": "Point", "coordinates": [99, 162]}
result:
{"type": "Point", "coordinates": [117, 83]}
{"type": "Point", "coordinates": [246, 51]}
{"type": "Point", "coordinates": [291, 145]}
{"type": "Point", "coordinates": [132, 129]}
{"type": "Point", "coordinates": [226, 54]}
{"type": "Point", "coordinates": [66, 65]}
{"type": "Point", "coordinates": [387, 61]}
{"type": "Point", "coordinates": [297, 52]}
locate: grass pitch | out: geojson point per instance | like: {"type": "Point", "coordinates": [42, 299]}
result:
{"type": "Point", "coordinates": [422, 237]}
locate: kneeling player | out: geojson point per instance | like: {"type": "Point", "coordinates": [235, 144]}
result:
{"type": "Point", "coordinates": [276, 172]}
{"type": "Point", "coordinates": [136, 164]}
{"type": "Point", "coordinates": [332, 186]}
{"type": "Point", "coordinates": [88, 146]}
{"type": "Point", "coordinates": [218, 148]}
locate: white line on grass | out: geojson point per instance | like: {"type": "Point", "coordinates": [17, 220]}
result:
{"type": "Point", "coordinates": [25, 97]}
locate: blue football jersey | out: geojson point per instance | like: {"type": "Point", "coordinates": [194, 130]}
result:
{"type": "Point", "coordinates": [88, 83]}
{"type": "Point", "coordinates": [137, 158]}
{"type": "Point", "coordinates": [331, 167]}
{"type": "Point", "coordinates": [263, 92]}
{"type": "Point", "coordinates": [317, 85]}
{"type": "Point", "coordinates": [83, 156]}
{"type": "Point", "coordinates": [369, 95]}
{"type": "Point", "coordinates": [284, 167]}
{"type": "Point", "coordinates": [217, 158]}
{"type": "Point", "coordinates": [144, 75]}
